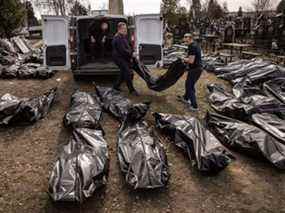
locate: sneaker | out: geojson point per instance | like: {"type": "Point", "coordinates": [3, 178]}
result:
{"type": "Point", "coordinates": [134, 93]}
{"type": "Point", "coordinates": [183, 100]}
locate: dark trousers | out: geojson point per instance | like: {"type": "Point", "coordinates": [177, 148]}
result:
{"type": "Point", "coordinates": [190, 92]}
{"type": "Point", "coordinates": [126, 74]}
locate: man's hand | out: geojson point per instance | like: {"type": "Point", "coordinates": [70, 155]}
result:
{"type": "Point", "coordinates": [104, 39]}
{"type": "Point", "coordinates": [189, 60]}
{"type": "Point", "coordinates": [186, 60]}
{"type": "Point", "coordinates": [93, 40]}
{"type": "Point", "coordinates": [134, 55]}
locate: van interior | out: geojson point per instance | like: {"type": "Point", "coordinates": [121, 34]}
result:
{"type": "Point", "coordinates": [93, 54]}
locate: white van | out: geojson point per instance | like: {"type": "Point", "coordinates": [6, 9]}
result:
{"type": "Point", "coordinates": [67, 44]}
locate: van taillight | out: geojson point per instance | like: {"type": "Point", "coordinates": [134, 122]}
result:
{"type": "Point", "coordinates": [133, 40]}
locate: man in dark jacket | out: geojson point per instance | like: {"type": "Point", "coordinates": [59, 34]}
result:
{"type": "Point", "coordinates": [98, 39]}
{"type": "Point", "coordinates": [122, 56]}
{"type": "Point", "coordinates": [194, 62]}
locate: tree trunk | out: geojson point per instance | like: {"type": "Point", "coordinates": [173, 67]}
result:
{"type": "Point", "coordinates": [116, 7]}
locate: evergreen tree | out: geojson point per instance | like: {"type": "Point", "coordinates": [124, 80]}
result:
{"type": "Point", "coordinates": [215, 11]}
{"type": "Point", "coordinates": [168, 10]}
{"type": "Point", "coordinates": [11, 17]}
{"type": "Point", "coordinates": [30, 14]}
{"type": "Point", "coordinates": [240, 12]}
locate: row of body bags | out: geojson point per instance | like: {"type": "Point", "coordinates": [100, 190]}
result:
{"type": "Point", "coordinates": [251, 117]}
{"type": "Point", "coordinates": [250, 121]}
{"type": "Point", "coordinates": [15, 63]}
{"type": "Point", "coordinates": [82, 164]}
{"type": "Point", "coordinates": [25, 71]}
{"type": "Point", "coordinates": [255, 74]}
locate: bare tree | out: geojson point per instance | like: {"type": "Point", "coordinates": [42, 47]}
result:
{"type": "Point", "coordinates": [262, 5]}
{"type": "Point", "coordinates": [116, 7]}
{"type": "Point", "coordinates": [58, 7]}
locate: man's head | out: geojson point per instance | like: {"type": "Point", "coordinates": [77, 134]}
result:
{"type": "Point", "coordinates": [122, 28]}
{"type": "Point", "coordinates": [188, 38]}
{"type": "Point", "coordinates": [104, 26]}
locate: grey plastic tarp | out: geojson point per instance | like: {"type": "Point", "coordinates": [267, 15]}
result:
{"type": "Point", "coordinates": [247, 139]}
{"type": "Point", "coordinates": [141, 156]}
{"type": "Point", "coordinates": [82, 164]}
{"type": "Point", "coordinates": [202, 147]}
{"type": "Point", "coordinates": [276, 87]}
{"type": "Point", "coordinates": [81, 168]}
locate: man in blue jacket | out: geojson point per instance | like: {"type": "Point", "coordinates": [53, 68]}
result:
{"type": "Point", "coordinates": [122, 56]}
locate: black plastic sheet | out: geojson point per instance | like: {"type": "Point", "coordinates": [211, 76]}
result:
{"type": "Point", "coordinates": [263, 75]}
{"type": "Point", "coordinates": [6, 45]}
{"type": "Point", "coordinates": [26, 71]}
{"type": "Point", "coordinates": [245, 105]}
{"type": "Point", "coordinates": [165, 81]}
{"type": "Point", "coordinates": [172, 57]}
{"type": "Point", "coordinates": [202, 147]}
{"type": "Point", "coordinates": [81, 168]}
{"type": "Point", "coordinates": [85, 111]}
{"type": "Point", "coordinates": [44, 73]}
{"type": "Point", "coordinates": [6, 58]}
{"type": "Point", "coordinates": [247, 139]}
{"type": "Point", "coordinates": [259, 75]}
{"type": "Point", "coordinates": [9, 106]}
{"type": "Point", "coordinates": [34, 57]}
{"type": "Point", "coordinates": [225, 103]}
{"type": "Point", "coordinates": [276, 87]}
{"type": "Point", "coordinates": [211, 63]}
{"type": "Point", "coordinates": [1, 69]}
{"type": "Point", "coordinates": [272, 124]}
{"type": "Point", "coordinates": [15, 111]}
{"type": "Point", "coordinates": [237, 65]}
{"type": "Point", "coordinates": [244, 89]}
{"type": "Point", "coordinates": [113, 102]}
{"type": "Point", "coordinates": [141, 155]}
{"type": "Point", "coordinates": [244, 70]}
{"type": "Point", "coordinates": [10, 72]}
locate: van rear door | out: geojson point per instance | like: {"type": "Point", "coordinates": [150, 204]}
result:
{"type": "Point", "coordinates": [149, 38]}
{"type": "Point", "coordinates": [56, 42]}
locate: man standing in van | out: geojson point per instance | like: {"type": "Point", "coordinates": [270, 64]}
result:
{"type": "Point", "coordinates": [194, 63]}
{"type": "Point", "coordinates": [122, 56]}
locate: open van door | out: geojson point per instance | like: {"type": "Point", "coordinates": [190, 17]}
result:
{"type": "Point", "coordinates": [149, 38]}
{"type": "Point", "coordinates": [56, 42]}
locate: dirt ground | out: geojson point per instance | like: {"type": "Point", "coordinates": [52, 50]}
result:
{"type": "Point", "coordinates": [27, 155]}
